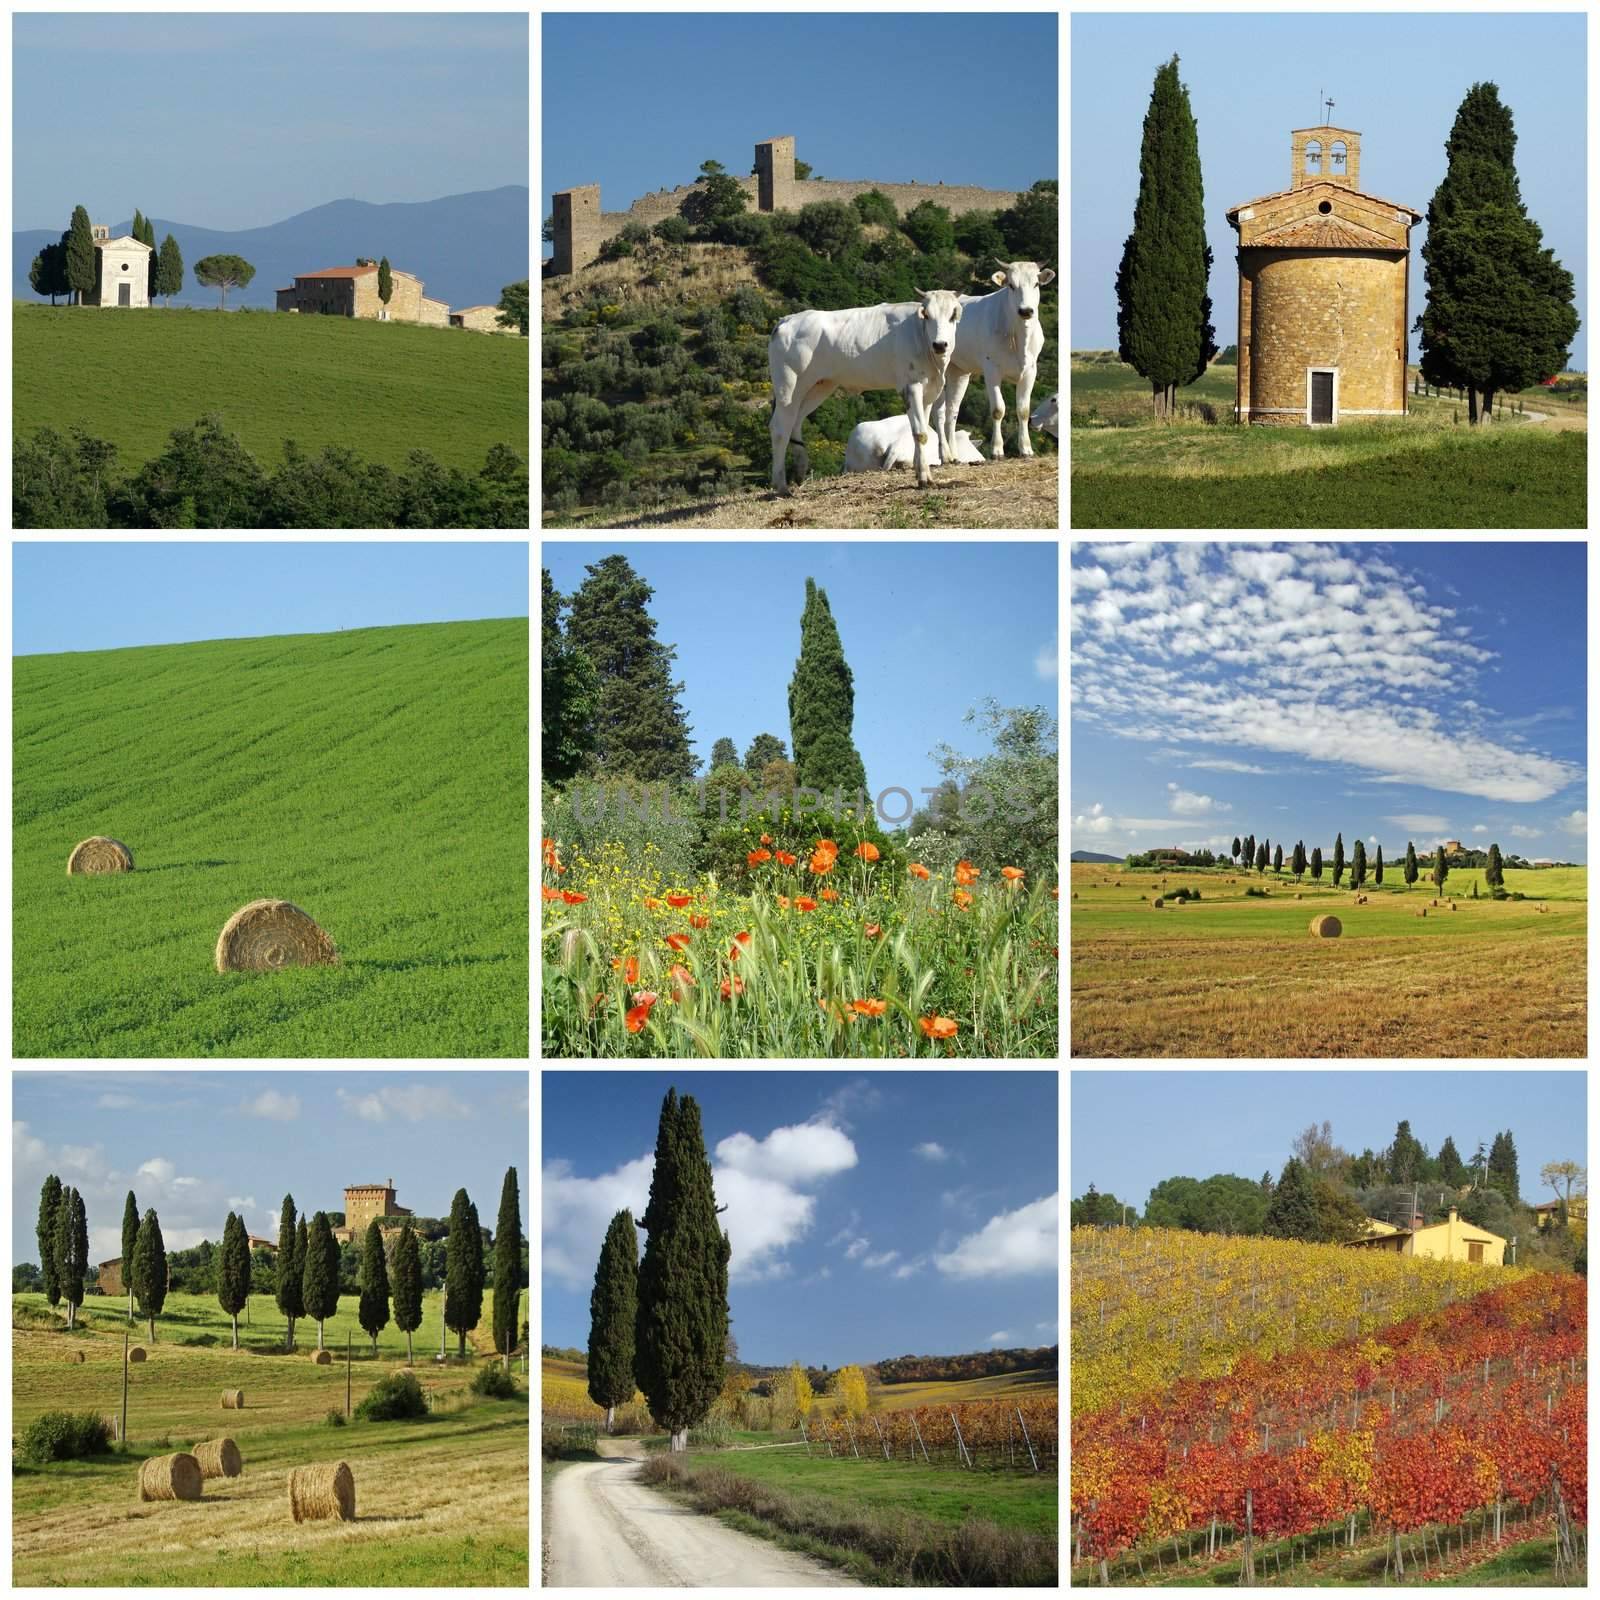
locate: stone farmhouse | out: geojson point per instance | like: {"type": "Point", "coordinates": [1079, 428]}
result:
{"type": "Point", "coordinates": [580, 227]}
{"type": "Point", "coordinates": [363, 1202]}
{"type": "Point", "coordinates": [353, 292]}
{"type": "Point", "coordinates": [121, 269]}
{"type": "Point", "coordinates": [481, 319]}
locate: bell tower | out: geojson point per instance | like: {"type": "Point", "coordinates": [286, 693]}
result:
{"type": "Point", "coordinates": [1325, 155]}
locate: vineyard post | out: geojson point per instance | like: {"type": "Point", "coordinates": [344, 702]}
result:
{"type": "Point", "coordinates": [1026, 1440]}
{"type": "Point", "coordinates": [1248, 1573]}
{"type": "Point", "coordinates": [806, 1436]}
{"type": "Point", "coordinates": [962, 1443]}
{"type": "Point", "coordinates": [851, 1430]}
{"type": "Point", "coordinates": [918, 1432]}
{"type": "Point", "coordinates": [881, 1440]}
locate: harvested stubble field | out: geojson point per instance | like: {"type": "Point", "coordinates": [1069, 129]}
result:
{"type": "Point", "coordinates": [1238, 976]}
{"type": "Point", "coordinates": [441, 1501]}
{"type": "Point", "coordinates": [376, 778]}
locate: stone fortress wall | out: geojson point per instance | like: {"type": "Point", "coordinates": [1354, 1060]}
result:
{"type": "Point", "coordinates": [581, 227]}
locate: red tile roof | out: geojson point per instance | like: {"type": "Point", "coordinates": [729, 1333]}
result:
{"type": "Point", "coordinates": [336, 272]}
{"type": "Point", "coordinates": [1326, 233]}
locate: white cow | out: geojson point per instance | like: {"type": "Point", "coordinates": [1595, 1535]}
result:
{"type": "Point", "coordinates": [999, 337]}
{"type": "Point", "coordinates": [875, 446]}
{"type": "Point", "coordinates": [813, 354]}
{"type": "Point", "coordinates": [1047, 419]}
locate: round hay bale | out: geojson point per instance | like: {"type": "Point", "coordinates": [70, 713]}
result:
{"type": "Point", "coordinates": [136, 1353]}
{"type": "Point", "coordinates": [268, 934]}
{"type": "Point", "coordinates": [74, 1357]}
{"type": "Point", "coordinates": [233, 1399]}
{"type": "Point", "coordinates": [174, 1477]}
{"type": "Point", "coordinates": [219, 1458]}
{"type": "Point", "coordinates": [100, 854]}
{"type": "Point", "coordinates": [1157, 903]}
{"type": "Point", "coordinates": [325, 1490]}
{"type": "Point", "coordinates": [1326, 927]}
{"type": "Point", "coordinates": [321, 1358]}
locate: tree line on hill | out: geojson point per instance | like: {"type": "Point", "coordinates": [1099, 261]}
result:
{"type": "Point", "coordinates": [1499, 313]}
{"type": "Point", "coordinates": [1324, 1195]}
{"type": "Point", "coordinates": [979, 1364]}
{"type": "Point", "coordinates": [305, 1276]}
{"type": "Point", "coordinates": [206, 478]}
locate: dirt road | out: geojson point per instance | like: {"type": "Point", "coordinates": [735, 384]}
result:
{"type": "Point", "coordinates": [605, 1530]}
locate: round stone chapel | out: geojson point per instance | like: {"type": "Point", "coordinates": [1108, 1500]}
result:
{"type": "Point", "coordinates": [1323, 282]}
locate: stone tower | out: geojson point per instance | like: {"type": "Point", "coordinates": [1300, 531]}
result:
{"type": "Point", "coordinates": [1324, 273]}
{"type": "Point", "coordinates": [775, 174]}
{"type": "Point", "coordinates": [578, 234]}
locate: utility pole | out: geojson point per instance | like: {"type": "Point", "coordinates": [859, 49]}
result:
{"type": "Point", "coordinates": [347, 1372]}
{"type": "Point", "coordinates": [122, 1431]}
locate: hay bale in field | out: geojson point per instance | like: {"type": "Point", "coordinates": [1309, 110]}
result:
{"type": "Point", "coordinates": [174, 1477]}
{"type": "Point", "coordinates": [268, 934]}
{"type": "Point", "coordinates": [1299, 897]}
{"type": "Point", "coordinates": [219, 1458]}
{"type": "Point", "coordinates": [99, 854]}
{"type": "Point", "coordinates": [321, 1358]}
{"type": "Point", "coordinates": [322, 1491]}
{"type": "Point", "coordinates": [1157, 903]}
{"type": "Point", "coordinates": [1422, 911]}
{"type": "Point", "coordinates": [1326, 927]}
{"type": "Point", "coordinates": [136, 1353]}
{"type": "Point", "coordinates": [74, 1357]}
{"type": "Point", "coordinates": [233, 1399]}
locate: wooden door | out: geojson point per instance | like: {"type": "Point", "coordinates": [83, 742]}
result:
{"type": "Point", "coordinates": [1321, 397]}
{"type": "Point", "coordinates": [124, 294]}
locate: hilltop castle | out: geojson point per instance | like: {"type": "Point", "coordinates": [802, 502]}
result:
{"type": "Point", "coordinates": [581, 227]}
{"type": "Point", "coordinates": [362, 1203]}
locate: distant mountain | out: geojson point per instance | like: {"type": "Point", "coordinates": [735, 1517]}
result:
{"type": "Point", "coordinates": [465, 247]}
{"type": "Point", "coordinates": [1089, 855]}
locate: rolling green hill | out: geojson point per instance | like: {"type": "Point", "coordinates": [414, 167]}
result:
{"type": "Point", "coordinates": [377, 778]}
{"type": "Point", "coordinates": [379, 389]}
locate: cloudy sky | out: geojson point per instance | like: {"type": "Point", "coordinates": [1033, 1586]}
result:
{"type": "Point", "coordinates": [1393, 692]}
{"type": "Point", "coordinates": [194, 1146]}
{"type": "Point", "coordinates": [901, 1213]}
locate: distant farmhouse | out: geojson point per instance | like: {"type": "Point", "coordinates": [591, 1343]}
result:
{"type": "Point", "coordinates": [121, 269]}
{"type": "Point", "coordinates": [365, 1203]}
{"type": "Point", "coordinates": [353, 292]}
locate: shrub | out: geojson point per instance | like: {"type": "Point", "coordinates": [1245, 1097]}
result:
{"type": "Point", "coordinates": [829, 227]}
{"type": "Point", "coordinates": [929, 228]}
{"type": "Point", "coordinates": [747, 229]}
{"type": "Point", "coordinates": [715, 1433]}
{"type": "Point", "coordinates": [979, 237]}
{"type": "Point", "coordinates": [622, 244]}
{"type": "Point", "coordinates": [65, 1436]}
{"type": "Point", "coordinates": [335, 1417]}
{"type": "Point", "coordinates": [493, 1380]}
{"type": "Point", "coordinates": [392, 1398]}
{"type": "Point", "coordinates": [674, 230]}
{"type": "Point", "coordinates": [875, 206]}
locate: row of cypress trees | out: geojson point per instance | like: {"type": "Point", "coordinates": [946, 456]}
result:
{"type": "Point", "coordinates": [660, 1324]}
{"type": "Point", "coordinates": [1257, 855]}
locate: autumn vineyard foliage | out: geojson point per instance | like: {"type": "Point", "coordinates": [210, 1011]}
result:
{"type": "Point", "coordinates": [1472, 1407]}
{"type": "Point", "coordinates": [992, 1432]}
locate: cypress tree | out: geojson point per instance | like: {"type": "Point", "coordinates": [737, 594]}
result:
{"type": "Point", "coordinates": [1499, 312]}
{"type": "Point", "coordinates": [385, 294]}
{"type": "Point", "coordinates": [822, 704]}
{"type": "Point", "coordinates": [764, 749]}
{"type": "Point", "coordinates": [639, 727]}
{"type": "Point", "coordinates": [1164, 329]}
{"type": "Point", "coordinates": [1450, 1165]}
{"type": "Point", "coordinates": [1236, 847]}
{"type": "Point", "coordinates": [1411, 864]}
{"type": "Point", "coordinates": [1316, 864]}
{"type": "Point", "coordinates": [724, 753]}
{"type": "Point", "coordinates": [1292, 1212]}
{"type": "Point", "coordinates": [319, 1277]}
{"type": "Point", "coordinates": [153, 267]}
{"type": "Point", "coordinates": [150, 1270]}
{"type": "Point", "coordinates": [1261, 857]}
{"type": "Point", "coordinates": [1495, 873]}
{"type": "Point", "coordinates": [374, 1307]}
{"type": "Point", "coordinates": [80, 255]}
{"type": "Point", "coordinates": [1441, 866]}
{"type": "Point", "coordinates": [1338, 859]}
{"type": "Point", "coordinates": [1297, 862]}
{"type": "Point", "coordinates": [681, 1333]}
{"type": "Point", "coordinates": [302, 1246]}
{"type": "Point", "coordinates": [49, 1205]}
{"type": "Point", "coordinates": [613, 1311]}
{"type": "Point", "coordinates": [1405, 1156]}
{"type": "Point", "coordinates": [507, 1264]}
{"type": "Point", "coordinates": [1358, 865]}
{"type": "Point", "coordinates": [289, 1269]}
{"type": "Point", "coordinates": [463, 1296]}
{"type": "Point", "coordinates": [137, 230]}
{"type": "Point", "coordinates": [1277, 857]}
{"type": "Point", "coordinates": [130, 1239]}
{"type": "Point", "coordinates": [233, 1271]}
{"type": "Point", "coordinates": [169, 273]}
{"type": "Point", "coordinates": [1503, 1166]}
{"type": "Point", "coordinates": [72, 1250]}
{"type": "Point", "coordinates": [1377, 870]}
{"type": "Point", "coordinates": [569, 690]}
{"type": "Point", "coordinates": [407, 1286]}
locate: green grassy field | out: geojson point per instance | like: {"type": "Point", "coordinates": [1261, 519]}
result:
{"type": "Point", "coordinates": [1421, 471]}
{"type": "Point", "coordinates": [376, 778]}
{"type": "Point", "coordinates": [441, 1501]}
{"type": "Point", "coordinates": [379, 389]}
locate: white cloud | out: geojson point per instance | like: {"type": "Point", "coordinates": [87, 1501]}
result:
{"type": "Point", "coordinates": [82, 1160]}
{"type": "Point", "coordinates": [932, 1151]}
{"type": "Point", "coordinates": [115, 1102]}
{"type": "Point", "coordinates": [577, 1211]}
{"type": "Point", "coordinates": [414, 1103]}
{"type": "Point", "coordinates": [1419, 824]}
{"type": "Point", "coordinates": [1575, 822]}
{"type": "Point", "coordinates": [909, 1269]}
{"type": "Point", "coordinates": [1185, 803]}
{"type": "Point", "coordinates": [1520, 832]}
{"type": "Point", "coordinates": [856, 1249]}
{"type": "Point", "coordinates": [1046, 661]}
{"type": "Point", "coordinates": [1091, 578]}
{"type": "Point", "coordinates": [1261, 566]}
{"type": "Point", "coordinates": [1116, 555]}
{"type": "Point", "coordinates": [1002, 1337]}
{"type": "Point", "coordinates": [883, 1260]}
{"type": "Point", "coordinates": [1047, 1327]}
{"type": "Point", "coordinates": [273, 1106]}
{"type": "Point", "coordinates": [1232, 766]}
{"type": "Point", "coordinates": [158, 1169]}
{"type": "Point", "coordinates": [797, 1154]}
{"type": "Point", "coordinates": [1479, 827]}
{"type": "Point", "coordinates": [1009, 1245]}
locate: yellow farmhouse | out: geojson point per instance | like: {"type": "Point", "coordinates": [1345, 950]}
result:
{"type": "Point", "coordinates": [1453, 1240]}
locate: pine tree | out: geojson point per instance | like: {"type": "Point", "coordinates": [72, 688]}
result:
{"type": "Point", "coordinates": [49, 1206]}
{"type": "Point", "coordinates": [72, 1250]}
{"type": "Point", "coordinates": [639, 727]}
{"type": "Point", "coordinates": [1411, 864]}
{"type": "Point", "coordinates": [613, 1311]}
{"type": "Point", "coordinates": [1164, 326]}
{"type": "Point", "coordinates": [822, 704]}
{"type": "Point", "coordinates": [150, 1270]}
{"type": "Point", "coordinates": [1450, 1167]}
{"type": "Point", "coordinates": [80, 256]}
{"type": "Point", "coordinates": [569, 694]}
{"type": "Point", "coordinates": [233, 1271]}
{"type": "Point", "coordinates": [724, 753]}
{"type": "Point", "coordinates": [507, 1264]}
{"type": "Point", "coordinates": [463, 1299]}
{"type": "Point", "coordinates": [407, 1286]}
{"type": "Point", "coordinates": [130, 1239]}
{"type": "Point", "coordinates": [682, 1327]}
{"type": "Point", "coordinates": [373, 1309]}
{"type": "Point", "coordinates": [319, 1277]}
{"type": "Point", "coordinates": [385, 294]}
{"type": "Point", "coordinates": [1358, 865]}
{"type": "Point", "coordinates": [169, 272]}
{"type": "Point", "coordinates": [1499, 312]}
{"type": "Point", "coordinates": [1292, 1212]}
{"type": "Point", "coordinates": [1316, 864]}
{"type": "Point", "coordinates": [289, 1270]}
{"type": "Point", "coordinates": [1297, 863]}
{"type": "Point", "coordinates": [1377, 870]}
{"type": "Point", "coordinates": [1338, 859]}
{"type": "Point", "coordinates": [1495, 873]}
{"type": "Point", "coordinates": [1503, 1167]}
{"type": "Point", "coordinates": [764, 749]}
{"type": "Point", "coordinates": [1405, 1156]}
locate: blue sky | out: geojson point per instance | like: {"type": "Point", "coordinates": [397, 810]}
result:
{"type": "Point", "coordinates": [194, 1146]}
{"type": "Point", "coordinates": [240, 121]}
{"type": "Point", "coordinates": [1390, 692]}
{"type": "Point", "coordinates": [900, 1213]}
{"type": "Point", "coordinates": [1395, 80]}
{"type": "Point", "coordinates": [1197, 1124]}
{"type": "Point", "coordinates": [928, 631]}
{"type": "Point", "coordinates": [105, 596]}
{"type": "Point", "coordinates": [681, 89]}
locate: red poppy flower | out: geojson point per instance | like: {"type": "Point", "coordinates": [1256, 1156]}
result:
{"type": "Point", "coordinates": [639, 1015]}
{"type": "Point", "coordinates": [872, 930]}
{"type": "Point", "coordinates": [682, 979]}
{"type": "Point", "coordinates": [573, 899]}
{"type": "Point", "coordinates": [803, 904]}
{"type": "Point", "coordinates": [678, 941]}
{"type": "Point", "coordinates": [678, 901]}
{"type": "Point", "coordinates": [549, 894]}
{"type": "Point", "coordinates": [917, 870]}
{"type": "Point", "coordinates": [961, 898]}
{"type": "Point", "coordinates": [756, 857]}
{"type": "Point", "coordinates": [628, 968]}
{"type": "Point", "coordinates": [937, 1027]}
{"type": "Point", "coordinates": [822, 863]}
{"type": "Point", "coordinates": [699, 921]}
{"type": "Point", "coordinates": [967, 873]}
{"type": "Point", "coordinates": [1012, 874]}
{"type": "Point", "coordinates": [870, 1008]}
{"type": "Point", "coordinates": [785, 859]}
{"type": "Point", "coordinates": [867, 850]}
{"type": "Point", "coordinates": [766, 838]}
{"type": "Point", "coordinates": [732, 986]}
{"type": "Point", "coordinates": [830, 894]}
{"type": "Point", "coordinates": [783, 902]}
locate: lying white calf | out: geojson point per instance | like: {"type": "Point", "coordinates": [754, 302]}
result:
{"type": "Point", "coordinates": [875, 446]}
{"type": "Point", "coordinates": [1047, 419]}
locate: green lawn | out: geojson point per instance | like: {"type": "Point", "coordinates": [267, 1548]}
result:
{"type": "Point", "coordinates": [376, 778]}
{"type": "Point", "coordinates": [379, 389]}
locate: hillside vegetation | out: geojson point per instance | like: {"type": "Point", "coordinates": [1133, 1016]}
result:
{"type": "Point", "coordinates": [376, 778]}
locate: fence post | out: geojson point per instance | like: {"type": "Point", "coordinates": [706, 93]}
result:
{"type": "Point", "coordinates": [1026, 1440]}
{"type": "Point", "coordinates": [347, 1372]}
{"type": "Point", "coordinates": [850, 1428]}
{"type": "Point", "coordinates": [918, 1431]}
{"type": "Point", "coordinates": [806, 1436]}
{"type": "Point", "coordinates": [881, 1440]}
{"type": "Point", "coordinates": [960, 1442]}
{"type": "Point", "coordinates": [122, 1430]}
